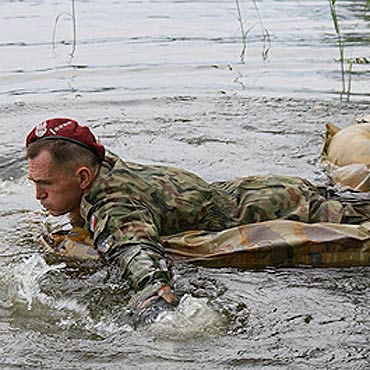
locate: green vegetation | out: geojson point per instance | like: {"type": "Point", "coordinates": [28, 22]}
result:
{"type": "Point", "coordinates": [346, 87]}
{"type": "Point", "coordinates": [346, 64]}
{"type": "Point", "coordinates": [334, 17]}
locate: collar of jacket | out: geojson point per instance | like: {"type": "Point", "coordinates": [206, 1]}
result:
{"type": "Point", "coordinates": [86, 203]}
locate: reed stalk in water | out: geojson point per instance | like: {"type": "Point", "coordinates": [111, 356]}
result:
{"type": "Point", "coordinates": [334, 17]}
{"type": "Point", "coordinates": [264, 32]}
{"type": "Point", "coordinates": [244, 34]}
{"type": "Point", "coordinates": [341, 45]}
{"type": "Point", "coordinates": [72, 16]}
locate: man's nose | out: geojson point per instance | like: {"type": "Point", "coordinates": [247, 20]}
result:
{"type": "Point", "coordinates": [40, 192]}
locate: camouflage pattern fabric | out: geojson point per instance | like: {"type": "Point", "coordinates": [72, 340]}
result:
{"type": "Point", "coordinates": [269, 243]}
{"type": "Point", "coordinates": [75, 243]}
{"type": "Point", "coordinates": [345, 155]}
{"type": "Point", "coordinates": [274, 243]}
{"type": "Point", "coordinates": [131, 205]}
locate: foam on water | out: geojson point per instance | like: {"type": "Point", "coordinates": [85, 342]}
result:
{"type": "Point", "coordinates": [193, 317]}
{"type": "Point", "coordinates": [27, 278]}
{"type": "Point", "coordinates": [25, 298]}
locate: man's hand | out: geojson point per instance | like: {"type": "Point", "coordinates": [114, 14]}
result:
{"type": "Point", "coordinates": [148, 310]}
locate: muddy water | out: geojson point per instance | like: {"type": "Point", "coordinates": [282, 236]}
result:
{"type": "Point", "coordinates": [153, 82]}
{"type": "Point", "coordinates": [58, 315]}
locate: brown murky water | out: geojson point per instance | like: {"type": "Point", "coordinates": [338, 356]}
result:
{"type": "Point", "coordinates": [156, 87]}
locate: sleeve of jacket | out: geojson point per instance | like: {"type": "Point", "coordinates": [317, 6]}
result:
{"type": "Point", "coordinates": [125, 232]}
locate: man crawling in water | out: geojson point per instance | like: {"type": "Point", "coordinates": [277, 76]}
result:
{"type": "Point", "coordinates": [127, 206]}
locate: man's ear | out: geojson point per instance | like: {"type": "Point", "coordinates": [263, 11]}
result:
{"type": "Point", "coordinates": [85, 177]}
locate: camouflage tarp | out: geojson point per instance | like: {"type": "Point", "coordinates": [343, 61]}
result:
{"type": "Point", "coordinates": [345, 155]}
{"type": "Point", "coordinates": [269, 243]}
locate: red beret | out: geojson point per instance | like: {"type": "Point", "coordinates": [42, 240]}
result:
{"type": "Point", "coordinates": [66, 129]}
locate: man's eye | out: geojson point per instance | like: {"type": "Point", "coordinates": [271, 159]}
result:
{"type": "Point", "coordinates": [42, 183]}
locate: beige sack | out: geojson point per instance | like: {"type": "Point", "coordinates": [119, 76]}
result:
{"type": "Point", "coordinates": [345, 155]}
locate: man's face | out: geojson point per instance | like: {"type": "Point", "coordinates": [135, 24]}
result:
{"type": "Point", "coordinates": [58, 191]}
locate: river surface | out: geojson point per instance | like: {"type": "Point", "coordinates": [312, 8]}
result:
{"type": "Point", "coordinates": [163, 82]}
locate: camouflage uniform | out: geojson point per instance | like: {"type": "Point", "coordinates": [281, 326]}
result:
{"type": "Point", "coordinates": [131, 205]}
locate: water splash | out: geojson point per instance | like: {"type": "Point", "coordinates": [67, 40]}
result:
{"type": "Point", "coordinates": [44, 301]}
{"type": "Point", "coordinates": [192, 318]}
{"type": "Point", "coordinates": [28, 277]}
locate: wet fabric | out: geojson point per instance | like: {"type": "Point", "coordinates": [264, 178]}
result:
{"type": "Point", "coordinates": [269, 243]}
{"type": "Point", "coordinates": [131, 205]}
{"type": "Point", "coordinates": [345, 155]}
{"type": "Point", "coordinates": [274, 243]}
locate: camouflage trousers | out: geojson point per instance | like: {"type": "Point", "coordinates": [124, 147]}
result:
{"type": "Point", "coordinates": [262, 198]}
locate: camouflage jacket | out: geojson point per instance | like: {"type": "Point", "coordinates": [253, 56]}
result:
{"type": "Point", "coordinates": [130, 206]}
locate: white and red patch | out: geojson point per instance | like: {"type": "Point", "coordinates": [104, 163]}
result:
{"type": "Point", "coordinates": [93, 223]}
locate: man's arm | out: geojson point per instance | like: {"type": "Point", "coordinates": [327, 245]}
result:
{"type": "Point", "coordinates": [127, 235]}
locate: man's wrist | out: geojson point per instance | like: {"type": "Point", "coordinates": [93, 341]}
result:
{"type": "Point", "coordinates": [165, 292]}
